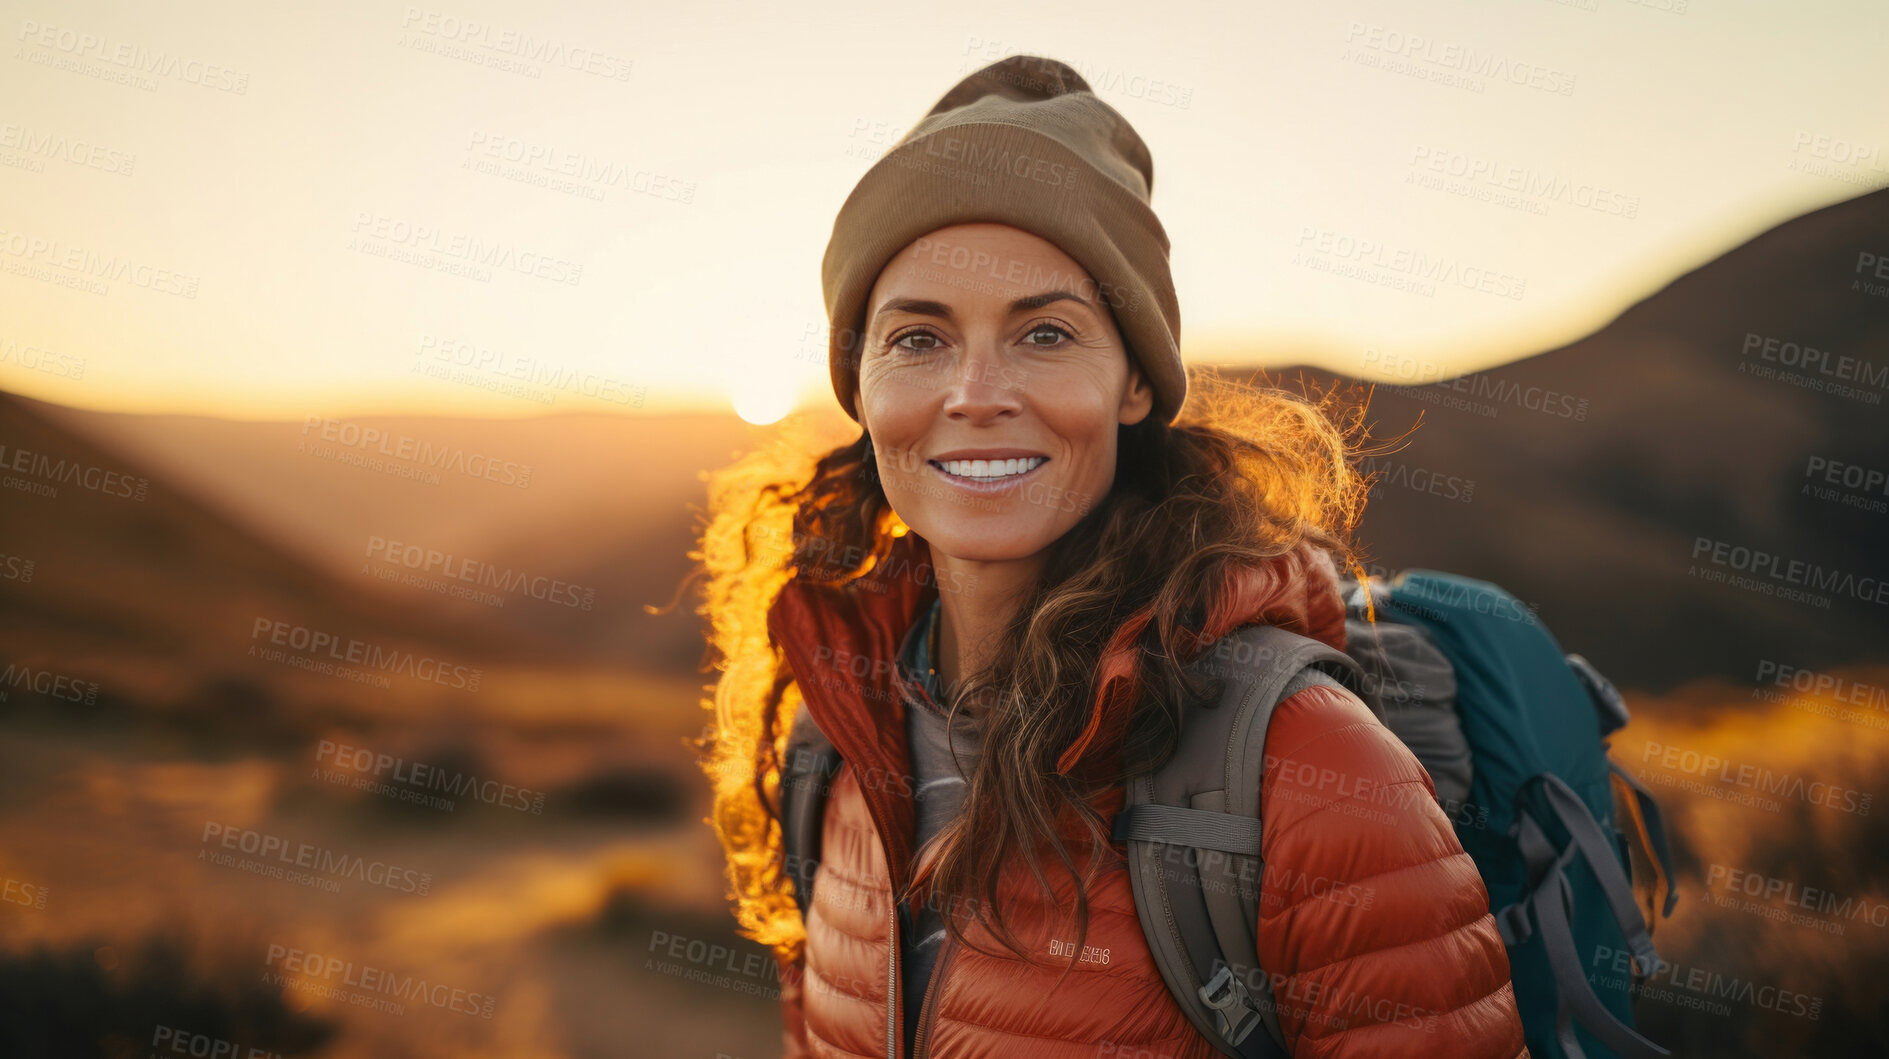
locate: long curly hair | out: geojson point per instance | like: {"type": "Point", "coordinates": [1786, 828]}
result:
{"type": "Point", "coordinates": [1246, 473]}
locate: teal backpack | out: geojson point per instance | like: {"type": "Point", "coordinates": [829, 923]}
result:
{"type": "Point", "coordinates": [1514, 734]}
{"type": "Point", "coordinates": [1544, 832]}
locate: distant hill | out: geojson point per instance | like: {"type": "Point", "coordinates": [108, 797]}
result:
{"type": "Point", "coordinates": [1597, 467]}
{"type": "Point", "coordinates": [111, 566]}
{"type": "Point", "coordinates": [600, 503]}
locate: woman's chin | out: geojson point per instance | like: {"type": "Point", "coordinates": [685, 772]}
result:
{"type": "Point", "coordinates": [996, 542]}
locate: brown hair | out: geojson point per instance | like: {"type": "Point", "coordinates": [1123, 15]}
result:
{"type": "Point", "coordinates": [1246, 474]}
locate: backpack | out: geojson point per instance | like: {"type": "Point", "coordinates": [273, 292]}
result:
{"type": "Point", "coordinates": [1481, 693]}
{"type": "Point", "coordinates": [1513, 733]}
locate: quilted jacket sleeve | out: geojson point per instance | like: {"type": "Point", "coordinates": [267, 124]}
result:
{"type": "Point", "coordinates": [793, 1016]}
{"type": "Point", "coordinates": [1374, 924]}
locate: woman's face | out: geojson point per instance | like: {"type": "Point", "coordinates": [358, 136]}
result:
{"type": "Point", "coordinates": [992, 381]}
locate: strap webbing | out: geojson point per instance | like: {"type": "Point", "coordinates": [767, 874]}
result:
{"type": "Point", "coordinates": [805, 782]}
{"type": "Point", "coordinates": [1551, 901]}
{"type": "Point", "coordinates": [1177, 826]}
{"type": "Point", "coordinates": [1604, 862]}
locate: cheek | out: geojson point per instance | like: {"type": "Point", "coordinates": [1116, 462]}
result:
{"type": "Point", "coordinates": [1090, 450]}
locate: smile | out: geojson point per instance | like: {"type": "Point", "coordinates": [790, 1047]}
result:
{"type": "Point", "coordinates": [987, 474]}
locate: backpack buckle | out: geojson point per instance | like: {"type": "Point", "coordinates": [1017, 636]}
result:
{"type": "Point", "coordinates": [1233, 1012]}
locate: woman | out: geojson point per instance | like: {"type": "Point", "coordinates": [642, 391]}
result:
{"type": "Point", "coordinates": [987, 603]}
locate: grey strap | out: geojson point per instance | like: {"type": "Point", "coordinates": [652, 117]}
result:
{"type": "Point", "coordinates": [1551, 900]}
{"type": "Point", "coordinates": [1604, 862]}
{"type": "Point", "coordinates": [805, 780]}
{"type": "Point", "coordinates": [1193, 834]}
{"type": "Point", "coordinates": [1201, 828]}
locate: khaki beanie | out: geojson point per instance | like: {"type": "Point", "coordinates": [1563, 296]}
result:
{"type": "Point", "coordinates": [1022, 142]}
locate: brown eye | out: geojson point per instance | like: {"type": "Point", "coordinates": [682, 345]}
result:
{"type": "Point", "coordinates": [923, 336]}
{"type": "Point", "coordinates": [1055, 333]}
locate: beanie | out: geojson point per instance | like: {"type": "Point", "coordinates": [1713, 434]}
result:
{"type": "Point", "coordinates": [1022, 142]}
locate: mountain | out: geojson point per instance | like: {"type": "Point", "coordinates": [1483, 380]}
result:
{"type": "Point", "coordinates": [113, 574]}
{"type": "Point", "coordinates": [1626, 483]}
{"type": "Point", "coordinates": [559, 508]}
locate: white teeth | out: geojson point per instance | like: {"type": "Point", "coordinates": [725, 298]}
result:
{"type": "Point", "coordinates": [990, 470]}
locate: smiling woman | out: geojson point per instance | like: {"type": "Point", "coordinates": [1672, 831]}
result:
{"type": "Point", "coordinates": [974, 623]}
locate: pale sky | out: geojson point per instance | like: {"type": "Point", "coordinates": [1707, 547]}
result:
{"type": "Point", "coordinates": [252, 182]}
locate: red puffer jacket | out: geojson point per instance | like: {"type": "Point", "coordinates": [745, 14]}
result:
{"type": "Point", "coordinates": [1374, 923]}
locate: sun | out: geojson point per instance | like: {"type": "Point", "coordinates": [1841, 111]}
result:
{"type": "Point", "coordinates": [762, 399]}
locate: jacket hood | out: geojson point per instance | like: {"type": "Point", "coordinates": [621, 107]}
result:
{"type": "Point", "coordinates": [841, 644]}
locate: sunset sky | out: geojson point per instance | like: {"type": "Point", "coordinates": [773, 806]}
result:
{"type": "Point", "coordinates": [280, 202]}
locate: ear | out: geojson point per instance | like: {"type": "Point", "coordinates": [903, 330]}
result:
{"type": "Point", "coordinates": [1137, 397]}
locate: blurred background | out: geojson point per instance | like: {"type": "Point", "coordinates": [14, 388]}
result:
{"type": "Point", "coordinates": [360, 367]}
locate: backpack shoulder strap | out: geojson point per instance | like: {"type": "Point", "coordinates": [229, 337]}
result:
{"type": "Point", "coordinates": [1550, 898]}
{"type": "Point", "coordinates": [1193, 832]}
{"type": "Point", "coordinates": [806, 778]}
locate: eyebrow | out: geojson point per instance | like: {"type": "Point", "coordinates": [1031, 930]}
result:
{"type": "Point", "coordinates": [923, 307]}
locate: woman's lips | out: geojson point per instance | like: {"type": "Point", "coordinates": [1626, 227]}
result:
{"type": "Point", "coordinates": [986, 485]}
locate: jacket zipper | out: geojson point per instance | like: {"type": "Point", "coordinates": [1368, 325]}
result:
{"type": "Point", "coordinates": [928, 1012]}
{"type": "Point", "coordinates": [892, 990]}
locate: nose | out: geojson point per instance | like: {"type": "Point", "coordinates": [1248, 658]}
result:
{"type": "Point", "coordinates": [978, 389]}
